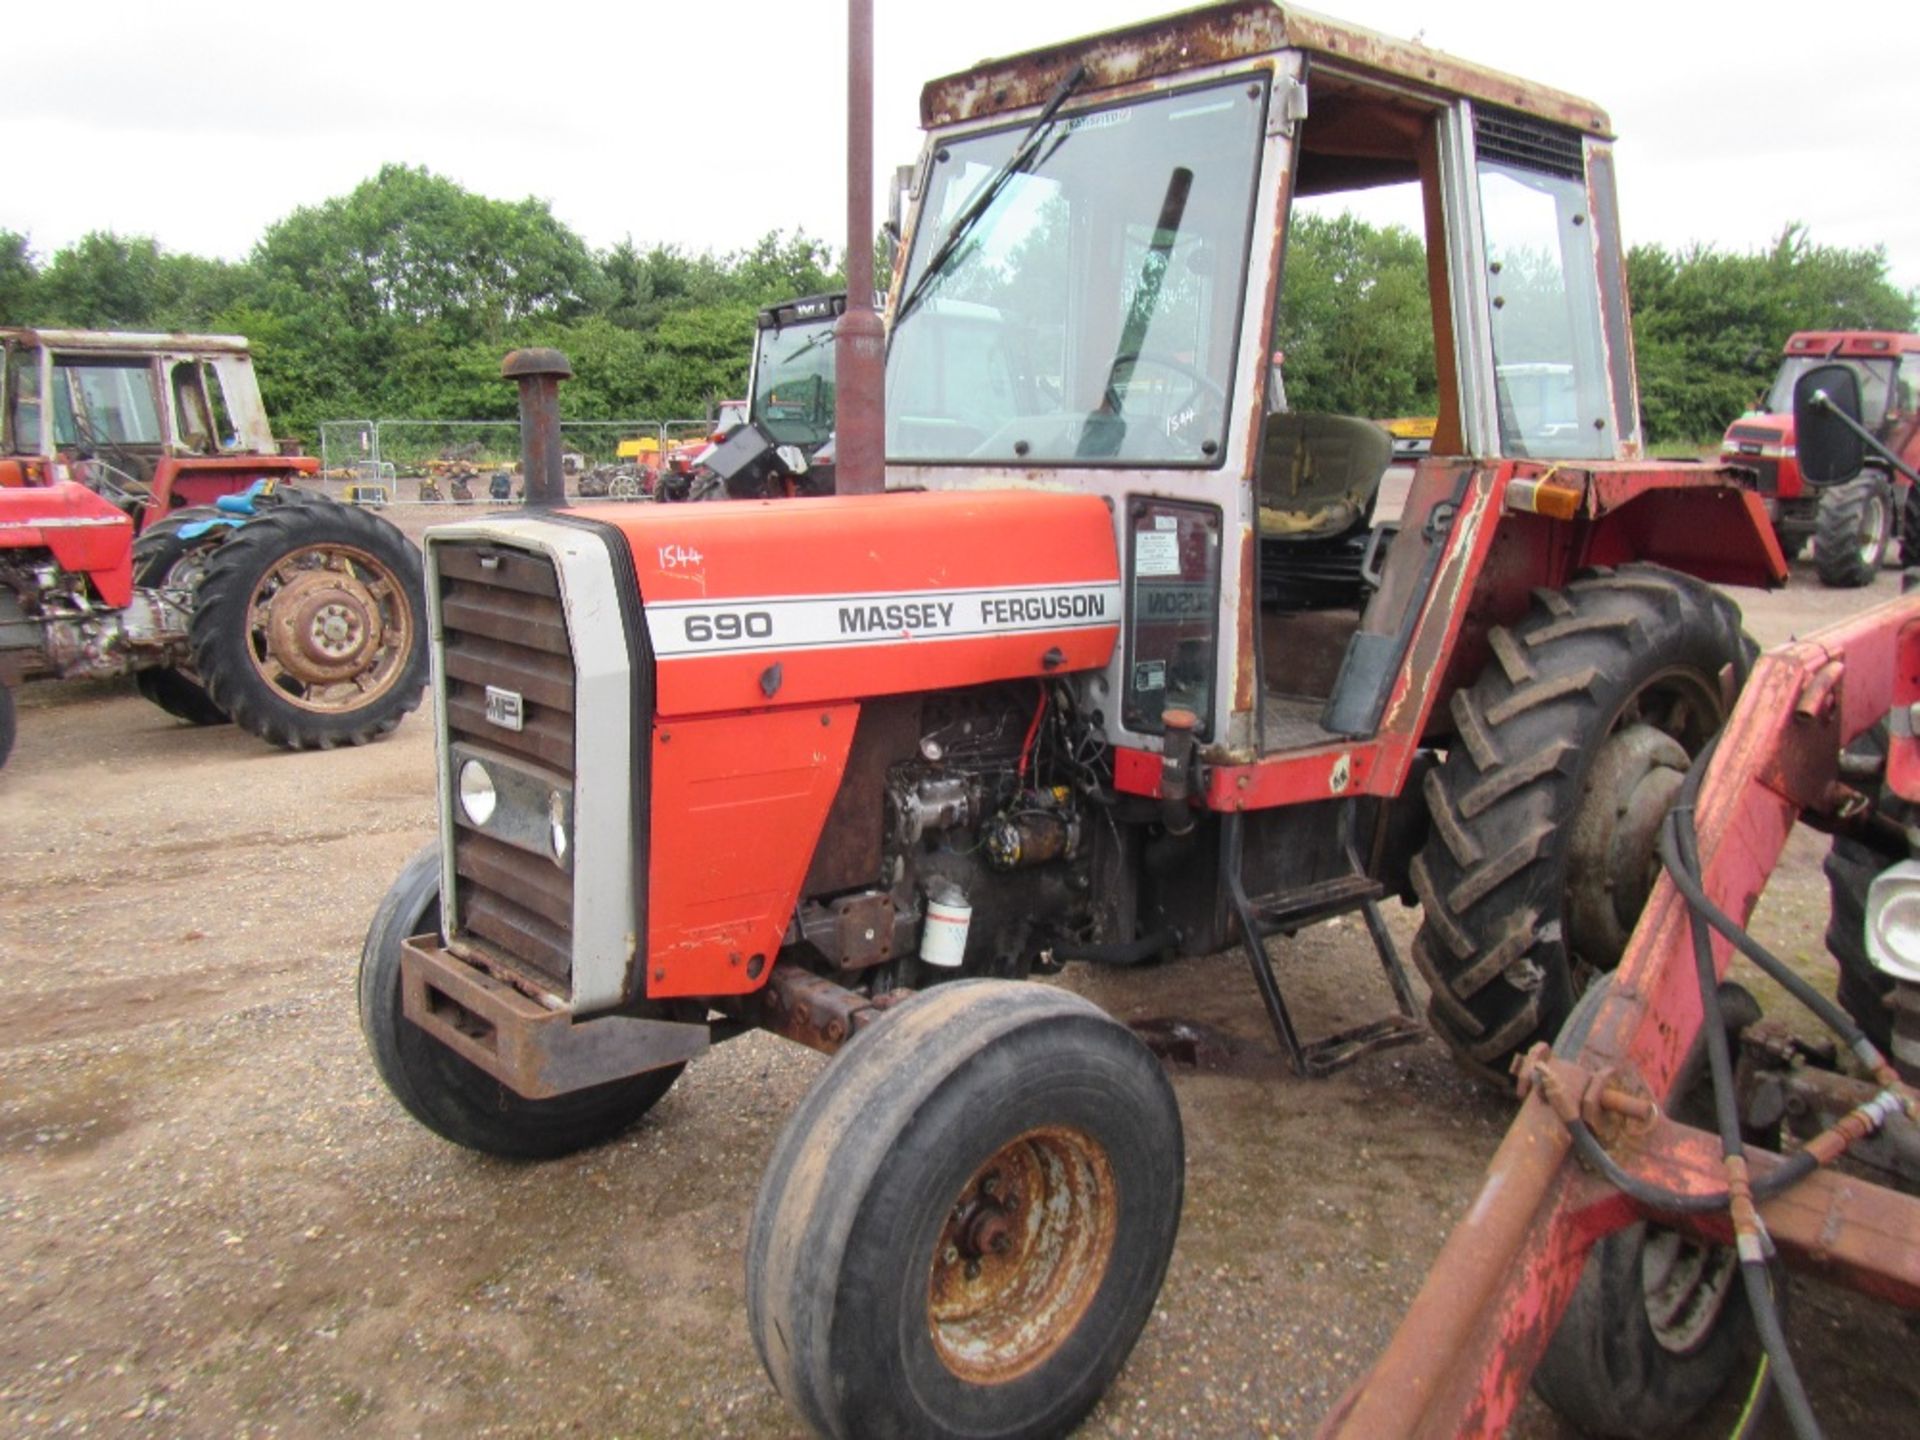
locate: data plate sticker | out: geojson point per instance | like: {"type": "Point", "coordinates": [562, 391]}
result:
{"type": "Point", "coordinates": [1156, 552]}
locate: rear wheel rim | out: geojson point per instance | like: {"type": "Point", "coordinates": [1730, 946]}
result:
{"type": "Point", "coordinates": [1021, 1255]}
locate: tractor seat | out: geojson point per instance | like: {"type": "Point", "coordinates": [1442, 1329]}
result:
{"type": "Point", "coordinates": [1318, 473]}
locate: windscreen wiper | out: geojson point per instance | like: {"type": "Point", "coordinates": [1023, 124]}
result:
{"type": "Point", "coordinates": [1024, 157]}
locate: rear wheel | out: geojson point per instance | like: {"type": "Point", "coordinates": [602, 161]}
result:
{"type": "Point", "coordinates": [310, 628]}
{"type": "Point", "coordinates": [1854, 531]}
{"type": "Point", "coordinates": [162, 560]}
{"type": "Point", "coordinates": [447, 1093]}
{"type": "Point", "coordinates": [964, 1226]}
{"type": "Point", "coordinates": [1570, 747]}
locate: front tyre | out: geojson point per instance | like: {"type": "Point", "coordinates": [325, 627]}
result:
{"type": "Point", "coordinates": [310, 629]}
{"type": "Point", "coordinates": [1569, 748]}
{"type": "Point", "coordinates": [448, 1093]}
{"type": "Point", "coordinates": [1853, 532]}
{"type": "Point", "coordinates": [965, 1225]}
{"type": "Point", "coordinates": [1657, 1327]}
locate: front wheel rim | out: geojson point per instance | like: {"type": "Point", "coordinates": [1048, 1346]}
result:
{"type": "Point", "coordinates": [1021, 1254]}
{"type": "Point", "coordinates": [1686, 1286]}
{"type": "Point", "coordinates": [1873, 525]}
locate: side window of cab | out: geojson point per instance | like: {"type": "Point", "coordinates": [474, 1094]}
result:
{"type": "Point", "coordinates": [22, 402]}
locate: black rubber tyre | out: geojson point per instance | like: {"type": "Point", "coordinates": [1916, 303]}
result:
{"type": "Point", "coordinates": [1907, 502]}
{"type": "Point", "coordinates": [1569, 747]}
{"type": "Point", "coordinates": [1656, 1328]}
{"type": "Point", "coordinates": [311, 625]}
{"type": "Point", "coordinates": [1854, 532]}
{"type": "Point", "coordinates": [449, 1094]}
{"type": "Point", "coordinates": [162, 560]}
{"type": "Point", "coordinates": [964, 1226]}
{"type": "Point", "coordinates": [7, 723]}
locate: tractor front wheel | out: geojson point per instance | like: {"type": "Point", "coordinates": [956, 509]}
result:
{"type": "Point", "coordinates": [1569, 748]}
{"type": "Point", "coordinates": [1657, 1327]}
{"type": "Point", "coordinates": [310, 626]}
{"type": "Point", "coordinates": [449, 1094]}
{"type": "Point", "coordinates": [964, 1226]}
{"type": "Point", "coordinates": [1854, 531]}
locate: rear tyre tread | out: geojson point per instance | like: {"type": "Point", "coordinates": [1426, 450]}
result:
{"type": "Point", "coordinates": [156, 551]}
{"type": "Point", "coordinates": [1493, 945]}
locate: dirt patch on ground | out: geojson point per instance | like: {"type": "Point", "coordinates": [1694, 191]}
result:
{"type": "Point", "coordinates": [214, 1221]}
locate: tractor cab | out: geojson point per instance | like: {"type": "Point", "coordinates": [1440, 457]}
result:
{"type": "Point", "coordinates": [791, 385]}
{"type": "Point", "coordinates": [1098, 275]}
{"type": "Point", "coordinates": [153, 422]}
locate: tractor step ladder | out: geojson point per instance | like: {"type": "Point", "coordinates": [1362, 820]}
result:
{"type": "Point", "coordinates": [1262, 917]}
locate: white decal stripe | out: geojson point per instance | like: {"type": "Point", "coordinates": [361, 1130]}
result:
{"type": "Point", "coordinates": [762, 624]}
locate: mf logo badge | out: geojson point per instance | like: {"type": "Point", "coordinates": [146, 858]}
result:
{"type": "Point", "coordinates": [504, 708]}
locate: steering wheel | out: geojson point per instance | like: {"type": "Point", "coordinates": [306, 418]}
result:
{"type": "Point", "coordinates": [1200, 385]}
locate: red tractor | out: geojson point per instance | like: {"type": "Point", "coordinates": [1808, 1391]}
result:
{"type": "Point", "coordinates": [1854, 521]}
{"type": "Point", "coordinates": [850, 769]}
{"type": "Point", "coordinates": [146, 528]}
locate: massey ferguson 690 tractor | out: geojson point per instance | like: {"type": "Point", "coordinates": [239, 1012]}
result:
{"type": "Point", "coordinates": [849, 769]}
{"type": "Point", "coordinates": [146, 527]}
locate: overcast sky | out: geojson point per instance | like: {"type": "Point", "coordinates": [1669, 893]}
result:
{"type": "Point", "coordinates": [705, 125]}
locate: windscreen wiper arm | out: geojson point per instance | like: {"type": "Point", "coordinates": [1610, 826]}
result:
{"type": "Point", "coordinates": [1023, 158]}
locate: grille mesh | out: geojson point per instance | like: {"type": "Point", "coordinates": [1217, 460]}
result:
{"type": "Point", "coordinates": [502, 625]}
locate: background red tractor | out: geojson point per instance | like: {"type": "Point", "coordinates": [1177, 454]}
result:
{"type": "Point", "coordinates": [1854, 521]}
{"type": "Point", "coordinates": [146, 527]}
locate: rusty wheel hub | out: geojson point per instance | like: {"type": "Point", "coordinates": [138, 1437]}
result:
{"type": "Point", "coordinates": [330, 628]}
{"type": "Point", "coordinates": [1021, 1255]}
{"type": "Point", "coordinates": [1613, 857]}
{"type": "Point", "coordinates": [322, 626]}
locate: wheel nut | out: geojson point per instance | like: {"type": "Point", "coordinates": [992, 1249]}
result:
{"type": "Point", "coordinates": [952, 1256]}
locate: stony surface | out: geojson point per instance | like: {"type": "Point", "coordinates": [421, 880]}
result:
{"type": "Point", "coordinates": [214, 1221]}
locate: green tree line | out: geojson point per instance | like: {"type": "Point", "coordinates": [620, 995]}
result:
{"type": "Point", "coordinates": [398, 300]}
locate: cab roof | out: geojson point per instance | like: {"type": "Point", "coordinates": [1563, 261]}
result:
{"type": "Point", "coordinates": [1218, 34]}
{"type": "Point", "coordinates": [1852, 342]}
{"type": "Point", "coordinates": [125, 342]}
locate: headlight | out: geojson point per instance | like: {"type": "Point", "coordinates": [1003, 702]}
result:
{"type": "Point", "coordinates": [477, 795]}
{"type": "Point", "coordinates": [557, 825]}
{"type": "Point", "coordinates": [1893, 921]}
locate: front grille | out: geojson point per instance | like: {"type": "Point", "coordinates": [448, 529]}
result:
{"type": "Point", "coordinates": [1753, 433]}
{"type": "Point", "coordinates": [503, 626]}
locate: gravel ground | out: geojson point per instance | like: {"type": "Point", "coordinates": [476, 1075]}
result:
{"type": "Point", "coordinates": [213, 1220]}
